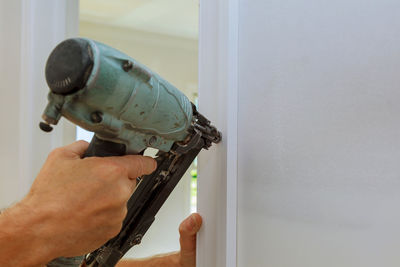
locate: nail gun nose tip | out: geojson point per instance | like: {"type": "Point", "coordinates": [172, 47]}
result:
{"type": "Point", "coordinates": [45, 127]}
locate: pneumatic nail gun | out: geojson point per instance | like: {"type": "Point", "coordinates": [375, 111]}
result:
{"type": "Point", "coordinates": [129, 108]}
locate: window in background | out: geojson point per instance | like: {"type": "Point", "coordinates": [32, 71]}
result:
{"type": "Point", "coordinates": [163, 35]}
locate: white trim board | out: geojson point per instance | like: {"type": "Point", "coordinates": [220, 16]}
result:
{"type": "Point", "coordinates": [32, 29]}
{"type": "Point", "coordinates": [218, 91]}
{"type": "Point", "coordinates": [44, 24]}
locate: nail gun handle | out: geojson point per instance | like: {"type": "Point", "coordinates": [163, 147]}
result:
{"type": "Point", "coordinates": [103, 148]}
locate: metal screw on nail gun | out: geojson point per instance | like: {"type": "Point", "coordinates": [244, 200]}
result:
{"type": "Point", "coordinates": [96, 117]}
{"type": "Point", "coordinates": [127, 65]}
{"type": "Point", "coordinates": [137, 240]}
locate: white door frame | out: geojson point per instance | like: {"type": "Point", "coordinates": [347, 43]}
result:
{"type": "Point", "coordinates": [45, 23]}
{"type": "Point", "coordinates": [32, 29]}
{"type": "Point", "coordinates": [218, 98]}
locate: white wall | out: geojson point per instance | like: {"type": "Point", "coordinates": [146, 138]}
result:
{"type": "Point", "coordinates": [319, 133]}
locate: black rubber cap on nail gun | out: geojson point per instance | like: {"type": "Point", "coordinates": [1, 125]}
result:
{"type": "Point", "coordinates": [68, 66]}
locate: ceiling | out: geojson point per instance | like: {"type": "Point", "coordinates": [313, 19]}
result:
{"type": "Point", "coordinates": [171, 17]}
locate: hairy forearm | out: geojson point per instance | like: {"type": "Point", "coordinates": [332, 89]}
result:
{"type": "Point", "coordinates": [21, 244]}
{"type": "Point", "coordinates": [165, 260]}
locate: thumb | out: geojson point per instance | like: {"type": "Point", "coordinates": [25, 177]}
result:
{"type": "Point", "coordinates": [76, 149]}
{"type": "Point", "coordinates": [188, 230]}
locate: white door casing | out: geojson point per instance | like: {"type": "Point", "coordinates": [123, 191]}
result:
{"type": "Point", "coordinates": [29, 29]}
{"type": "Point", "coordinates": [218, 98]}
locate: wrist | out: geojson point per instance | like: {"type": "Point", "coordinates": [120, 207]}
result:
{"type": "Point", "coordinates": [24, 233]}
{"type": "Point", "coordinates": [171, 260]}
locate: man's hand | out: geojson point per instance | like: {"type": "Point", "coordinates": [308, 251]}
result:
{"type": "Point", "coordinates": [85, 199]}
{"type": "Point", "coordinates": [188, 230]}
{"type": "Point", "coordinates": [74, 205]}
{"type": "Point", "coordinates": [186, 257]}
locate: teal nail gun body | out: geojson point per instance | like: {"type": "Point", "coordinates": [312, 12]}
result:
{"type": "Point", "coordinates": [129, 108]}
